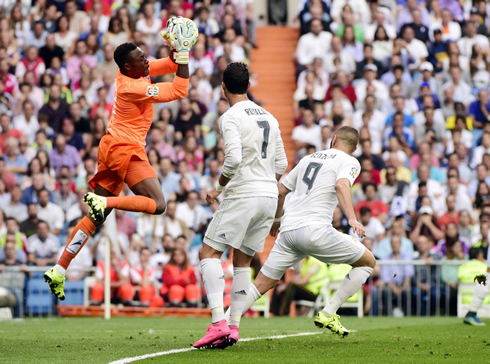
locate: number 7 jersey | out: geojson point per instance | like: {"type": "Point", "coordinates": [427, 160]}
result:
{"type": "Point", "coordinates": [254, 151]}
{"type": "Point", "coordinates": [313, 183]}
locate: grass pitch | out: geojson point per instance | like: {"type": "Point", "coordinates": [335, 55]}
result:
{"type": "Point", "coordinates": [378, 340]}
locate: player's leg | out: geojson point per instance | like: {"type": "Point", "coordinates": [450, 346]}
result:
{"type": "Point", "coordinates": [143, 181]}
{"type": "Point", "coordinates": [335, 247]}
{"type": "Point", "coordinates": [214, 283]}
{"type": "Point", "coordinates": [481, 291]}
{"type": "Point", "coordinates": [55, 276]}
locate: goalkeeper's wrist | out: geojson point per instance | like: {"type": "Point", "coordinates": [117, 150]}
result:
{"type": "Point", "coordinates": [219, 187]}
{"type": "Point", "coordinates": [181, 57]}
{"type": "Point", "coordinates": [278, 219]}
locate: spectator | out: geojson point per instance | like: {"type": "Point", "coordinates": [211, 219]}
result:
{"type": "Point", "coordinates": [374, 228]}
{"type": "Point", "coordinates": [144, 280]}
{"type": "Point", "coordinates": [55, 109]}
{"type": "Point", "coordinates": [64, 197]}
{"type": "Point", "coordinates": [191, 212]}
{"type": "Point", "coordinates": [15, 208]}
{"type": "Point", "coordinates": [50, 213]}
{"type": "Point", "coordinates": [72, 137]}
{"type": "Point", "coordinates": [171, 225]}
{"type": "Point", "coordinates": [395, 281]}
{"type": "Point", "coordinates": [121, 289]}
{"type": "Point", "coordinates": [378, 208]}
{"type": "Point", "coordinates": [29, 225]}
{"type": "Point", "coordinates": [466, 43]}
{"type": "Point", "coordinates": [27, 121]}
{"type": "Point", "coordinates": [43, 246]}
{"type": "Point", "coordinates": [12, 230]}
{"type": "Point", "coordinates": [30, 194]}
{"type": "Point", "coordinates": [393, 186]}
{"type": "Point", "coordinates": [64, 155]}
{"type": "Point", "coordinates": [7, 132]}
{"type": "Point", "coordinates": [307, 133]}
{"type": "Point", "coordinates": [179, 280]}
{"type": "Point", "coordinates": [81, 57]}
{"type": "Point", "coordinates": [451, 215]}
{"type": "Point", "coordinates": [51, 50]}
{"type": "Point", "coordinates": [6, 177]}
{"type": "Point", "coordinates": [451, 236]}
{"type": "Point", "coordinates": [11, 259]}
{"type": "Point", "coordinates": [383, 249]}
{"type": "Point", "coordinates": [425, 224]}
{"type": "Point", "coordinates": [14, 162]}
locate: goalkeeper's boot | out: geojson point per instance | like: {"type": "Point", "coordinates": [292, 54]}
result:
{"type": "Point", "coordinates": [230, 341]}
{"type": "Point", "coordinates": [217, 331]}
{"type": "Point", "coordinates": [472, 319]}
{"type": "Point", "coordinates": [56, 282]}
{"type": "Point", "coordinates": [98, 205]}
{"type": "Point", "coordinates": [323, 321]}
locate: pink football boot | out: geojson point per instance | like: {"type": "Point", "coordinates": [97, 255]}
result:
{"type": "Point", "coordinates": [215, 332]}
{"type": "Point", "coordinates": [229, 341]}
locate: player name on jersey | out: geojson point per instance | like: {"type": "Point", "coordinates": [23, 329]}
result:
{"type": "Point", "coordinates": [256, 112]}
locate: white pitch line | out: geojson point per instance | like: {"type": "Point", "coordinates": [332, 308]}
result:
{"type": "Point", "coordinates": [183, 350]}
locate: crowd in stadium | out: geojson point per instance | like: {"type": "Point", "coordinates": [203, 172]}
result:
{"type": "Point", "coordinates": [412, 76]}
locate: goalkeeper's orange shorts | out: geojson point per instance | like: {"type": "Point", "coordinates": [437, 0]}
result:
{"type": "Point", "coordinates": [120, 163]}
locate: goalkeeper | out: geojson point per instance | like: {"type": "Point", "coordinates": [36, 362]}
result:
{"type": "Point", "coordinates": [121, 155]}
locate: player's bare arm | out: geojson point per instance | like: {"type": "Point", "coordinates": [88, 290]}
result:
{"type": "Point", "coordinates": [345, 201]}
{"type": "Point", "coordinates": [283, 192]}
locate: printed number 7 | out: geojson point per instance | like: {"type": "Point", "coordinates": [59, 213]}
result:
{"type": "Point", "coordinates": [264, 124]}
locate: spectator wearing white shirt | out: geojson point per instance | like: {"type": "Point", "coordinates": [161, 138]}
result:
{"type": "Point", "coordinates": [38, 35]}
{"type": "Point", "coordinates": [416, 48]}
{"type": "Point", "coordinates": [462, 91]}
{"type": "Point", "coordinates": [171, 224]}
{"type": "Point", "coordinates": [481, 150]}
{"type": "Point", "coordinates": [466, 43]}
{"type": "Point", "coordinates": [370, 74]}
{"type": "Point", "coordinates": [346, 62]}
{"type": "Point", "coordinates": [314, 44]}
{"type": "Point", "coordinates": [373, 119]}
{"type": "Point", "coordinates": [191, 212]}
{"type": "Point", "coordinates": [42, 247]}
{"type": "Point", "coordinates": [307, 133]}
{"type": "Point", "coordinates": [205, 23]}
{"type": "Point", "coordinates": [450, 29]}
{"type": "Point", "coordinates": [150, 228]}
{"type": "Point", "coordinates": [201, 60]}
{"type": "Point", "coordinates": [373, 227]}
{"type": "Point", "coordinates": [27, 121]}
{"type": "Point", "coordinates": [49, 212]}
{"type": "Point", "coordinates": [379, 21]}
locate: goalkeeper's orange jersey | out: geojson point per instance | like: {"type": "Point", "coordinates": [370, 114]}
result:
{"type": "Point", "coordinates": [132, 112]}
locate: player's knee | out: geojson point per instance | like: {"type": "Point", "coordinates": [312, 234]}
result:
{"type": "Point", "coordinates": [161, 207]}
{"type": "Point", "coordinates": [370, 260]}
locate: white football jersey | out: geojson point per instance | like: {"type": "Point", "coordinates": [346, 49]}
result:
{"type": "Point", "coordinates": [254, 151]}
{"type": "Point", "coordinates": [313, 182]}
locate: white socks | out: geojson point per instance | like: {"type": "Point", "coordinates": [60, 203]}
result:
{"type": "Point", "coordinates": [252, 296]}
{"type": "Point", "coordinates": [352, 282]}
{"type": "Point", "coordinates": [214, 282]}
{"type": "Point", "coordinates": [480, 292]}
{"type": "Point", "coordinates": [239, 293]}
{"type": "Point", "coordinates": [60, 269]}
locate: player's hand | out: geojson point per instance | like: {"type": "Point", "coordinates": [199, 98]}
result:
{"type": "Point", "coordinates": [181, 34]}
{"type": "Point", "coordinates": [357, 227]}
{"type": "Point", "coordinates": [211, 196]}
{"type": "Point", "coordinates": [275, 229]}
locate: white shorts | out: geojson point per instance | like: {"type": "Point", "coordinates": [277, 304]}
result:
{"type": "Point", "coordinates": [321, 242]}
{"type": "Point", "coordinates": [242, 223]}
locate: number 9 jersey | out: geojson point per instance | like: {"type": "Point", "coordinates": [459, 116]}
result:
{"type": "Point", "coordinates": [254, 151]}
{"type": "Point", "coordinates": [313, 183]}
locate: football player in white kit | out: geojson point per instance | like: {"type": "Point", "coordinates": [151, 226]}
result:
{"type": "Point", "coordinates": [319, 182]}
{"type": "Point", "coordinates": [254, 161]}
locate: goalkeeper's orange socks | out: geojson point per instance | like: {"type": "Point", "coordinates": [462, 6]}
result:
{"type": "Point", "coordinates": [79, 236]}
{"type": "Point", "coordinates": [132, 203]}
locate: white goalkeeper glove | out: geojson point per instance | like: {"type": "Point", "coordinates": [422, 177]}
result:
{"type": "Point", "coordinates": [181, 34]}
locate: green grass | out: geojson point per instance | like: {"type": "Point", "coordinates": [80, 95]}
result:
{"type": "Point", "coordinates": [378, 340]}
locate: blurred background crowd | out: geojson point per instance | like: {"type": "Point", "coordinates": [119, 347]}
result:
{"type": "Point", "coordinates": [412, 76]}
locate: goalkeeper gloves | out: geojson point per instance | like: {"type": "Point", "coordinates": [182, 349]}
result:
{"type": "Point", "coordinates": [181, 34]}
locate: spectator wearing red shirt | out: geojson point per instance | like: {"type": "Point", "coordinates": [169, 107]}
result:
{"type": "Point", "coordinates": [347, 89]}
{"type": "Point", "coordinates": [451, 216]}
{"type": "Point", "coordinates": [378, 208]}
{"type": "Point", "coordinates": [7, 131]}
{"type": "Point", "coordinates": [179, 280]}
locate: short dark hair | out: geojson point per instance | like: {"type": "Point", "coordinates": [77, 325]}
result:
{"type": "Point", "coordinates": [367, 184]}
{"type": "Point", "coordinates": [236, 78]}
{"type": "Point", "coordinates": [365, 210]}
{"type": "Point", "coordinates": [475, 252]}
{"type": "Point", "coordinates": [122, 52]}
